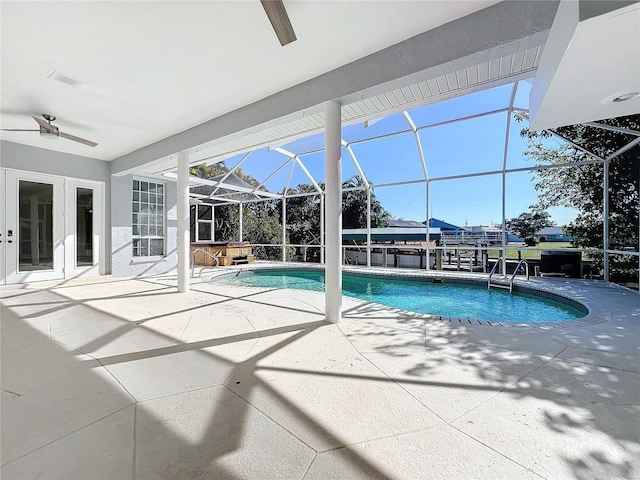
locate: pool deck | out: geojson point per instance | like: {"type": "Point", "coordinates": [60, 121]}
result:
{"type": "Point", "coordinates": [109, 378]}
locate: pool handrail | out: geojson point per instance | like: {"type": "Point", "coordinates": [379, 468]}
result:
{"type": "Point", "coordinates": [493, 270]}
{"type": "Point", "coordinates": [515, 272]}
{"type": "Point", "coordinates": [513, 276]}
{"type": "Point", "coordinates": [193, 259]}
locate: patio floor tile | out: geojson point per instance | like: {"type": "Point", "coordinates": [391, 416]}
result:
{"type": "Point", "coordinates": [213, 433]}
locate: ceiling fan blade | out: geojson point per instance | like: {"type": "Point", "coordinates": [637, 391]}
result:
{"type": "Point", "coordinates": [43, 123]}
{"type": "Point", "coordinates": [279, 20]}
{"type": "Point", "coordinates": [77, 139]}
{"type": "Point", "coordinates": [18, 130]}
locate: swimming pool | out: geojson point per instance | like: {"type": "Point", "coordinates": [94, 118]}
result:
{"type": "Point", "coordinates": [421, 295]}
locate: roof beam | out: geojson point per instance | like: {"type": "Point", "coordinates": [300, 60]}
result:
{"type": "Point", "coordinates": [204, 181]}
{"type": "Point", "coordinates": [296, 159]}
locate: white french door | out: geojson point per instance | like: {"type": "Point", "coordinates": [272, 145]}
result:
{"type": "Point", "coordinates": [34, 232]}
{"type": "Point", "coordinates": [3, 203]}
{"type": "Point", "coordinates": [83, 224]}
{"type": "Point", "coordinates": [51, 227]}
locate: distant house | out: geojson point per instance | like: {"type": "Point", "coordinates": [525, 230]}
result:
{"type": "Point", "coordinates": [513, 238]}
{"type": "Point", "coordinates": [446, 228]}
{"type": "Point", "coordinates": [492, 234]}
{"type": "Point", "coordinates": [407, 231]}
{"type": "Point", "coordinates": [476, 232]}
{"type": "Point", "coordinates": [552, 234]}
{"type": "Point", "coordinates": [393, 223]}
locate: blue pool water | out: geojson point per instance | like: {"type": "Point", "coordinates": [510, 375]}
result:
{"type": "Point", "coordinates": [444, 299]}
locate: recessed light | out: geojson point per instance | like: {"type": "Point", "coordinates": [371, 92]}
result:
{"type": "Point", "coordinates": [66, 79]}
{"type": "Point", "coordinates": [626, 96]}
{"type": "Point", "coordinates": [621, 96]}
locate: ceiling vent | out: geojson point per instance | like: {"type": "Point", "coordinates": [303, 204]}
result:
{"type": "Point", "coordinates": [66, 79]}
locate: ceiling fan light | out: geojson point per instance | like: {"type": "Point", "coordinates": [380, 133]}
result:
{"type": "Point", "coordinates": [48, 135]}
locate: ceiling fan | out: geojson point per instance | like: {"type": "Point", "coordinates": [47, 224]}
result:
{"type": "Point", "coordinates": [279, 20]}
{"type": "Point", "coordinates": [47, 130]}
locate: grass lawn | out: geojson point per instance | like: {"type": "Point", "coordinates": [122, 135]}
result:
{"type": "Point", "coordinates": [532, 253]}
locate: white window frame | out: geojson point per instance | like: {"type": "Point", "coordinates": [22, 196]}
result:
{"type": "Point", "coordinates": [198, 222]}
{"type": "Point", "coordinates": [137, 234]}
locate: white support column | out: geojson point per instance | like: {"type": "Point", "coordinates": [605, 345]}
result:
{"type": "Point", "coordinates": [605, 223]}
{"type": "Point", "coordinates": [183, 222]}
{"type": "Point", "coordinates": [333, 215]}
{"type": "Point", "coordinates": [503, 239]}
{"type": "Point", "coordinates": [284, 228]}
{"type": "Point", "coordinates": [368, 226]}
{"type": "Point", "coordinates": [426, 209]}
{"type": "Point", "coordinates": [322, 228]}
{"type": "Point", "coordinates": [240, 205]}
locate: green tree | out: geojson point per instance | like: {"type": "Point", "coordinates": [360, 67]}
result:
{"type": "Point", "coordinates": [528, 223]}
{"type": "Point", "coordinates": [262, 221]}
{"type": "Point", "coordinates": [208, 171]}
{"type": "Point", "coordinates": [303, 218]}
{"type": "Point", "coordinates": [227, 222]}
{"type": "Point", "coordinates": [354, 206]}
{"type": "Point", "coordinates": [581, 187]}
{"type": "Point", "coordinates": [261, 224]}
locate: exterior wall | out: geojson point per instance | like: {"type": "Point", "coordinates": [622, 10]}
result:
{"type": "Point", "coordinates": [39, 160]}
{"type": "Point", "coordinates": [123, 261]}
{"type": "Point", "coordinates": [32, 159]}
{"type": "Point", "coordinates": [556, 238]}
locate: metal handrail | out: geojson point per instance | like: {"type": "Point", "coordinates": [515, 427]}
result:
{"type": "Point", "coordinates": [515, 272]}
{"type": "Point", "coordinates": [493, 270]}
{"type": "Point", "coordinates": [193, 259]}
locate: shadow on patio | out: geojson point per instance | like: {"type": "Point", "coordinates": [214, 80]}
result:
{"type": "Point", "coordinates": [130, 380]}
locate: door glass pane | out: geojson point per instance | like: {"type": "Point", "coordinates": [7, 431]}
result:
{"type": "Point", "coordinates": [84, 227]}
{"type": "Point", "coordinates": [35, 248]}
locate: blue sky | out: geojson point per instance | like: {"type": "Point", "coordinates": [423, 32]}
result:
{"type": "Point", "coordinates": [459, 148]}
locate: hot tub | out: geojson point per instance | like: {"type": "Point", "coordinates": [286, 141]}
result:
{"type": "Point", "coordinates": [226, 253]}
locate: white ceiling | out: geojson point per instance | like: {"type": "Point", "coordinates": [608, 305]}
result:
{"type": "Point", "coordinates": [153, 69]}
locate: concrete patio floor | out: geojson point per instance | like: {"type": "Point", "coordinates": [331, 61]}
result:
{"type": "Point", "coordinates": [125, 378]}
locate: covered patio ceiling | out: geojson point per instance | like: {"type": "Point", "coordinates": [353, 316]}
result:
{"type": "Point", "coordinates": [147, 80]}
{"type": "Point", "coordinates": [578, 27]}
{"type": "Point", "coordinates": [149, 70]}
